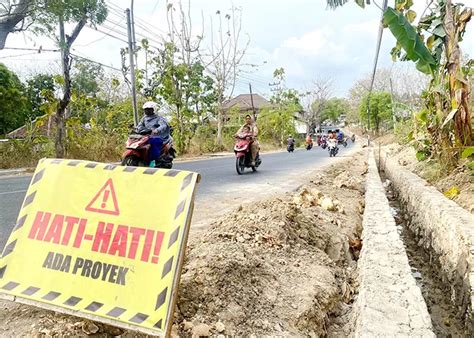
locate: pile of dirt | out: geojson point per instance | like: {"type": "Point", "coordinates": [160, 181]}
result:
{"type": "Point", "coordinates": [283, 266]}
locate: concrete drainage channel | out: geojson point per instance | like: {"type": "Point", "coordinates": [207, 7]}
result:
{"type": "Point", "coordinates": [445, 232]}
{"type": "Point", "coordinates": [416, 271]}
{"type": "Point", "coordinates": [389, 300]}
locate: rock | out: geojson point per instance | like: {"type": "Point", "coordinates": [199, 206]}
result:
{"type": "Point", "coordinates": [247, 236]}
{"type": "Point", "coordinates": [240, 239]}
{"type": "Point", "coordinates": [187, 325]}
{"type": "Point", "coordinates": [202, 330]}
{"type": "Point", "coordinates": [46, 332]}
{"type": "Point", "coordinates": [89, 328]}
{"type": "Point", "coordinates": [220, 327]}
{"type": "Point", "coordinates": [327, 204]}
{"type": "Point", "coordinates": [346, 180]}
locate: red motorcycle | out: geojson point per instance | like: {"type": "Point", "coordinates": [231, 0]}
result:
{"type": "Point", "coordinates": [144, 148]}
{"type": "Point", "coordinates": [243, 155]}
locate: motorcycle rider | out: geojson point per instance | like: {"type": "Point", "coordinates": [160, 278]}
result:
{"type": "Point", "coordinates": [290, 142]}
{"type": "Point", "coordinates": [332, 136]}
{"type": "Point", "coordinates": [158, 126]}
{"type": "Point", "coordinates": [309, 139]}
{"type": "Point", "coordinates": [253, 131]}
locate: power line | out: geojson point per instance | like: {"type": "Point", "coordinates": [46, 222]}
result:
{"type": "Point", "coordinates": [101, 38]}
{"type": "Point", "coordinates": [141, 22]}
{"type": "Point", "coordinates": [17, 55]}
{"type": "Point", "coordinates": [12, 56]}
{"type": "Point", "coordinates": [108, 34]}
{"type": "Point", "coordinates": [96, 62]}
{"type": "Point", "coordinates": [38, 50]}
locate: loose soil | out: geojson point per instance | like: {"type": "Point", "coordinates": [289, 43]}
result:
{"type": "Point", "coordinates": [282, 266]}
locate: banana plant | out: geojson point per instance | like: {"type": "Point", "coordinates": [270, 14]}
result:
{"type": "Point", "coordinates": [433, 44]}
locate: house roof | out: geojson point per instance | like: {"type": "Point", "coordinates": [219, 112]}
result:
{"type": "Point", "coordinates": [244, 102]}
{"type": "Point", "coordinates": [43, 128]}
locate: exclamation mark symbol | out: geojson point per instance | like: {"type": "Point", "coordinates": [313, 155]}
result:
{"type": "Point", "coordinates": [105, 198]}
{"type": "Point", "coordinates": [157, 248]}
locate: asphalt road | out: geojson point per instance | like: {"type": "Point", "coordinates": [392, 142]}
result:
{"type": "Point", "coordinates": [217, 176]}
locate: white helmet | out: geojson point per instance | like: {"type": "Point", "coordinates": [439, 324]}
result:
{"type": "Point", "coordinates": [150, 104]}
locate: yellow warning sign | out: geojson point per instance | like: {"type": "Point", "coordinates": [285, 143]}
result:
{"type": "Point", "coordinates": [101, 241]}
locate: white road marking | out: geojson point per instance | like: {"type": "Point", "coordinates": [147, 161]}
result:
{"type": "Point", "coordinates": [12, 192]}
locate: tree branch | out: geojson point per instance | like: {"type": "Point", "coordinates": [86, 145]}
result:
{"type": "Point", "coordinates": [70, 39]}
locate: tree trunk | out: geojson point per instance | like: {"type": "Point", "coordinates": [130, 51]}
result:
{"type": "Point", "coordinates": [65, 44]}
{"type": "Point", "coordinates": [220, 126]}
{"type": "Point", "coordinates": [458, 88]}
{"type": "Point", "coordinates": [60, 112]}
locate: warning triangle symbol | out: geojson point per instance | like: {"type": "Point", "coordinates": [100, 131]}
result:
{"type": "Point", "coordinates": [105, 201]}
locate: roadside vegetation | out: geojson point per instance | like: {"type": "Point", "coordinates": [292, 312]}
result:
{"type": "Point", "coordinates": [435, 118]}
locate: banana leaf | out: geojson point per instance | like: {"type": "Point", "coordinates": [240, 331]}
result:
{"type": "Point", "coordinates": [411, 42]}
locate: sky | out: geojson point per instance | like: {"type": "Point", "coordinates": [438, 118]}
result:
{"type": "Point", "coordinates": [304, 37]}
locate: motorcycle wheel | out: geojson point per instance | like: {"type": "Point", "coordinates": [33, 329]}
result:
{"type": "Point", "coordinates": [345, 144]}
{"type": "Point", "coordinates": [131, 161]}
{"type": "Point", "coordinates": [240, 165]}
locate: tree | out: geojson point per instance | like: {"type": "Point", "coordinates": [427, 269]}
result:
{"type": "Point", "coordinates": [185, 89]}
{"type": "Point", "coordinates": [314, 102]}
{"type": "Point", "coordinates": [278, 121]}
{"type": "Point", "coordinates": [224, 59]}
{"type": "Point", "coordinates": [13, 101]}
{"type": "Point", "coordinates": [334, 108]}
{"type": "Point", "coordinates": [39, 89]}
{"type": "Point", "coordinates": [45, 16]}
{"type": "Point", "coordinates": [380, 109]}
{"type": "Point", "coordinates": [86, 76]}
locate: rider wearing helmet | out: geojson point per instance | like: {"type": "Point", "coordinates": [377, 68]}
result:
{"type": "Point", "coordinates": [154, 123]}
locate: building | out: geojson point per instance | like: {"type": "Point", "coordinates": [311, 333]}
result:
{"type": "Point", "coordinates": [246, 103]}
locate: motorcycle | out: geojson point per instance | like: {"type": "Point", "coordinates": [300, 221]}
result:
{"type": "Point", "coordinates": [332, 148]}
{"type": "Point", "coordinates": [309, 146]}
{"type": "Point", "coordinates": [143, 149]}
{"type": "Point", "coordinates": [324, 143]}
{"type": "Point", "coordinates": [343, 142]}
{"type": "Point", "coordinates": [243, 155]}
{"type": "Point", "coordinates": [290, 147]}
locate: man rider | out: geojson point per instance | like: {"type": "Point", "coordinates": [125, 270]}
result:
{"type": "Point", "coordinates": [154, 123]}
{"type": "Point", "coordinates": [253, 131]}
{"type": "Point", "coordinates": [159, 128]}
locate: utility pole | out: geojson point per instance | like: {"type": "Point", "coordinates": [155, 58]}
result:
{"type": "Point", "coordinates": [251, 100]}
{"type": "Point", "coordinates": [132, 20]}
{"type": "Point", "coordinates": [392, 105]}
{"type": "Point", "coordinates": [131, 52]}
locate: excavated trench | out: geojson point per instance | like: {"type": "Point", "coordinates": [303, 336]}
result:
{"type": "Point", "coordinates": [425, 269]}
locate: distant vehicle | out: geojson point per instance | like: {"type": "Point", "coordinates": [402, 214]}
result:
{"type": "Point", "coordinates": [332, 147]}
